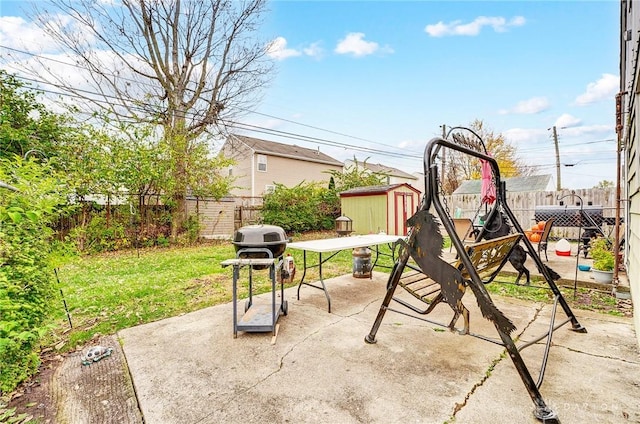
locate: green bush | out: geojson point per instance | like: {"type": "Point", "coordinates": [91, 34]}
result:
{"type": "Point", "coordinates": [603, 259]}
{"type": "Point", "coordinates": [305, 207]}
{"type": "Point", "coordinates": [124, 231]}
{"type": "Point", "coordinates": [26, 277]}
{"type": "Point", "coordinates": [191, 229]}
{"type": "Point", "coordinates": [100, 237]}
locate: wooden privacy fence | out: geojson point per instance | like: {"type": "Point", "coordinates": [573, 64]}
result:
{"type": "Point", "coordinates": [216, 217]}
{"type": "Point", "coordinates": [523, 205]}
{"type": "Point", "coordinates": [247, 215]}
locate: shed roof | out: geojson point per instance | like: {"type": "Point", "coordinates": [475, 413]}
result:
{"type": "Point", "coordinates": [513, 184]}
{"type": "Point", "coordinates": [371, 190]}
{"type": "Point", "coordinates": [286, 150]}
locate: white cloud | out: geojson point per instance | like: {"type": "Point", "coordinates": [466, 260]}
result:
{"type": "Point", "coordinates": [586, 131]}
{"type": "Point", "coordinates": [603, 89]}
{"type": "Point", "coordinates": [567, 127]}
{"type": "Point", "coordinates": [314, 50]}
{"type": "Point", "coordinates": [524, 135]}
{"type": "Point", "coordinates": [416, 145]}
{"type": "Point", "coordinates": [527, 107]}
{"type": "Point", "coordinates": [19, 34]}
{"type": "Point", "coordinates": [498, 23]}
{"type": "Point", "coordinates": [278, 50]}
{"type": "Point", "coordinates": [355, 45]}
{"type": "Point", "coordinates": [567, 121]}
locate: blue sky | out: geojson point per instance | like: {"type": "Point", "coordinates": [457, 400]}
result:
{"type": "Point", "coordinates": [385, 75]}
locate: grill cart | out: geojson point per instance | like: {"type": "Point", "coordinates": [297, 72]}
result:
{"type": "Point", "coordinates": [258, 247]}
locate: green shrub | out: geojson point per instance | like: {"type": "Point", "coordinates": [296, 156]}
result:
{"type": "Point", "coordinates": [305, 207]}
{"type": "Point", "coordinates": [162, 241]}
{"type": "Point", "coordinates": [26, 277]}
{"type": "Point", "coordinates": [192, 228]}
{"type": "Point", "coordinates": [100, 237]}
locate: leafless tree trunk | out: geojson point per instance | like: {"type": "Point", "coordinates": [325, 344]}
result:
{"type": "Point", "coordinates": [186, 66]}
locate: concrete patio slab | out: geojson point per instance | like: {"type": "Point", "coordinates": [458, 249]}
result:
{"type": "Point", "coordinates": [190, 369]}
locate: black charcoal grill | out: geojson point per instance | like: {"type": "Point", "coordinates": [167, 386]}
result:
{"type": "Point", "coordinates": [257, 241]}
{"type": "Point", "coordinates": [571, 216]}
{"type": "Point", "coordinates": [587, 218]}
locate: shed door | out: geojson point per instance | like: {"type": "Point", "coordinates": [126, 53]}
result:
{"type": "Point", "coordinates": [403, 211]}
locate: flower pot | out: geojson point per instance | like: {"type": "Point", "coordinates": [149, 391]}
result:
{"type": "Point", "coordinates": [604, 277]}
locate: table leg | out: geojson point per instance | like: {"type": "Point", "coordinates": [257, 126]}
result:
{"type": "Point", "coordinates": [375, 261]}
{"type": "Point", "coordinates": [324, 288]}
{"type": "Point", "coordinates": [304, 271]}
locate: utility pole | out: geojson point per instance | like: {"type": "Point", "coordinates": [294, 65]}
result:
{"type": "Point", "coordinates": [555, 140]}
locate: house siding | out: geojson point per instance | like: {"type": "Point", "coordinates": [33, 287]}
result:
{"type": "Point", "coordinates": [629, 50]}
{"type": "Point", "coordinates": [283, 168]}
{"type": "Point", "coordinates": [241, 170]}
{"type": "Point", "coordinates": [291, 172]}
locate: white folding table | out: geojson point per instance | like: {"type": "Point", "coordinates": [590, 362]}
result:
{"type": "Point", "coordinates": [336, 245]}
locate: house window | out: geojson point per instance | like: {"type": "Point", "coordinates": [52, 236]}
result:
{"type": "Point", "coordinates": [269, 188]}
{"type": "Point", "coordinates": [262, 163]}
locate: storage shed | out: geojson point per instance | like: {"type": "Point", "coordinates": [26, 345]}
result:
{"type": "Point", "coordinates": [378, 209]}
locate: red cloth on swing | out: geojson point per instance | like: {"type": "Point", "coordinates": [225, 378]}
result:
{"type": "Point", "coordinates": [488, 190]}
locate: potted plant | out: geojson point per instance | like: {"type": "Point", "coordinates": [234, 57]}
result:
{"type": "Point", "coordinates": [603, 260]}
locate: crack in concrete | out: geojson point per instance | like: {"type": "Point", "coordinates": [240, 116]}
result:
{"type": "Point", "coordinates": [595, 355]}
{"type": "Point", "coordinates": [246, 389]}
{"type": "Point", "coordinates": [293, 348]}
{"type": "Point", "coordinates": [459, 405]}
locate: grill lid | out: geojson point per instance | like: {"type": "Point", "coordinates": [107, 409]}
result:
{"type": "Point", "coordinates": [259, 235]}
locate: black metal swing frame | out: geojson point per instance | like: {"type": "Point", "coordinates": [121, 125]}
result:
{"type": "Point", "coordinates": [432, 198]}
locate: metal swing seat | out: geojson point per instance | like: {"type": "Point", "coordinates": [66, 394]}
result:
{"type": "Point", "coordinates": [420, 271]}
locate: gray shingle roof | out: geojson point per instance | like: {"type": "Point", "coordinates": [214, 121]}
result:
{"type": "Point", "coordinates": [286, 150]}
{"type": "Point", "coordinates": [514, 184]}
{"type": "Point", "coordinates": [387, 170]}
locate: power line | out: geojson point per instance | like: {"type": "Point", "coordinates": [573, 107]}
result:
{"type": "Point", "coordinates": [319, 140]}
{"type": "Point", "coordinates": [233, 124]}
{"type": "Point", "coordinates": [259, 129]}
{"type": "Point", "coordinates": [238, 108]}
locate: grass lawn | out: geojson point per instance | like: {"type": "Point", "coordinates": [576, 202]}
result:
{"type": "Point", "coordinates": [106, 293]}
{"type": "Point", "coordinates": [109, 292]}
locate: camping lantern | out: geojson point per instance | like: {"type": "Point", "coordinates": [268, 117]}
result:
{"type": "Point", "coordinates": [344, 225]}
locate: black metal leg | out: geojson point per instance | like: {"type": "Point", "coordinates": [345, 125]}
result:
{"type": "Point", "coordinates": [236, 274]}
{"type": "Point", "coordinates": [304, 271]}
{"type": "Point", "coordinates": [541, 411]}
{"type": "Point", "coordinates": [575, 325]}
{"type": "Point", "coordinates": [275, 311]}
{"type": "Point", "coordinates": [394, 278]}
{"type": "Point", "coordinates": [545, 254]}
{"type": "Point", "coordinates": [324, 287]}
{"type": "Point", "coordinates": [375, 261]}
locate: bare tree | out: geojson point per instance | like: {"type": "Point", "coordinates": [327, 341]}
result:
{"type": "Point", "coordinates": [185, 66]}
{"type": "Point", "coordinates": [460, 167]}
